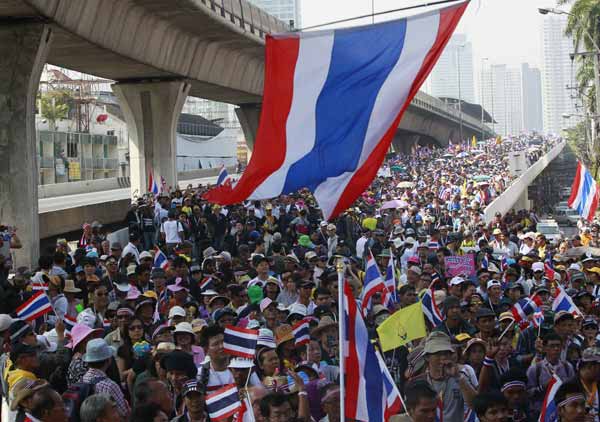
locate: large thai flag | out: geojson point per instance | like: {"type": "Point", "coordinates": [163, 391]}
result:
{"type": "Point", "coordinates": [584, 193]}
{"type": "Point", "coordinates": [549, 411]}
{"type": "Point", "coordinates": [524, 308]}
{"type": "Point", "coordinates": [371, 394]}
{"type": "Point", "coordinates": [430, 308]}
{"type": "Point", "coordinates": [240, 342]}
{"type": "Point", "coordinates": [332, 103]}
{"type": "Point", "coordinates": [563, 302]}
{"type": "Point", "coordinates": [37, 305]}
{"type": "Point", "coordinates": [223, 403]}
{"type": "Point", "coordinates": [373, 282]}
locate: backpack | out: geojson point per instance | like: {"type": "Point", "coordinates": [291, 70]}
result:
{"type": "Point", "coordinates": [76, 395]}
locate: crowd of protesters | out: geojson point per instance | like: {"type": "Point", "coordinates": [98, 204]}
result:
{"type": "Point", "coordinates": [136, 330]}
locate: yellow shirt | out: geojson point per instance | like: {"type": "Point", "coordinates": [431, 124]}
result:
{"type": "Point", "coordinates": [18, 374]}
{"type": "Point", "coordinates": [370, 223]}
{"type": "Point", "coordinates": [187, 210]}
{"type": "Point", "coordinates": [585, 239]}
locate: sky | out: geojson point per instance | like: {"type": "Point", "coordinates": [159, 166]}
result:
{"type": "Point", "coordinates": [504, 31]}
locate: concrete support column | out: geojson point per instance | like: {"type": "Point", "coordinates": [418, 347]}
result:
{"type": "Point", "coordinates": [23, 51]}
{"type": "Point", "coordinates": [152, 111]}
{"type": "Point", "coordinates": [523, 202]}
{"type": "Point", "coordinates": [249, 117]}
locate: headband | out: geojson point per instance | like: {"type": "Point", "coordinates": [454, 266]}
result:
{"type": "Point", "coordinates": [512, 384]}
{"type": "Point", "coordinates": [573, 398]}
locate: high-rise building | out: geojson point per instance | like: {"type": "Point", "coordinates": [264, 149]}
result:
{"type": "Point", "coordinates": [502, 98]}
{"type": "Point", "coordinates": [558, 73]}
{"type": "Point", "coordinates": [457, 59]}
{"type": "Point", "coordinates": [531, 88]}
{"type": "Point", "coordinates": [285, 10]}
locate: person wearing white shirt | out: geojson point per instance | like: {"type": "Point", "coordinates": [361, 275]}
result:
{"type": "Point", "coordinates": [132, 246]}
{"type": "Point", "coordinates": [172, 231]}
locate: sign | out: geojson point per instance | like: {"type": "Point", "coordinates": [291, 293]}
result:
{"type": "Point", "coordinates": [74, 170]}
{"type": "Point", "coordinates": [457, 265]}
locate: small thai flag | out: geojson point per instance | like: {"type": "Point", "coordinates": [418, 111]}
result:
{"type": "Point", "coordinates": [37, 305]}
{"type": "Point", "coordinates": [223, 403]}
{"type": "Point", "coordinates": [69, 322]}
{"type": "Point", "coordinates": [301, 332]}
{"type": "Point", "coordinates": [37, 286]}
{"type": "Point", "coordinates": [240, 342]}
{"type": "Point", "coordinates": [160, 259]}
{"type": "Point", "coordinates": [223, 176]}
{"type": "Point", "coordinates": [549, 410]}
{"type": "Point", "coordinates": [504, 263]}
{"type": "Point", "coordinates": [564, 302]}
{"type": "Point", "coordinates": [106, 324]}
{"type": "Point", "coordinates": [430, 308]}
{"type": "Point", "coordinates": [152, 186]}
{"type": "Point", "coordinates": [525, 308]}
{"type": "Point", "coordinates": [161, 305]}
{"type": "Point", "coordinates": [206, 283]}
{"type": "Point", "coordinates": [485, 262]}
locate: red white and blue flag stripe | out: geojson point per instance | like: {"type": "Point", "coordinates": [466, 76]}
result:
{"type": "Point", "coordinates": [549, 411]}
{"type": "Point", "coordinates": [333, 100]}
{"type": "Point", "coordinates": [391, 296]}
{"type": "Point", "coordinates": [223, 176]}
{"type": "Point", "coordinates": [563, 302]}
{"type": "Point", "coordinates": [152, 186]}
{"type": "Point", "coordinates": [430, 308]}
{"type": "Point", "coordinates": [373, 282]}
{"type": "Point", "coordinates": [240, 342]}
{"type": "Point", "coordinates": [160, 259]}
{"type": "Point", "coordinates": [69, 322]}
{"type": "Point", "coordinates": [371, 394]}
{"type": "Point", "coordinates": [206, 283]}
{"type": "Point", "coordinates": [524, 308]}
{"type": "Point", "coordinates": [223, 403]}
{"type": "Point", "coordinates": [584, 193]}
{"type": "Point", "coordinates": [301, 332]}
{"type": "Point", "coordinates": [37, 305]}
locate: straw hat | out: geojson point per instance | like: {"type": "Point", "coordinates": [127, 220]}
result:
{"type": "Point", "coordinates": [283, 333]}
{"type": "Point", "coordinates": [24, 389]}
{"type": "Point", "coordinates": [70, 287]}
{"type": "Point", "coordinates": [324, 323]}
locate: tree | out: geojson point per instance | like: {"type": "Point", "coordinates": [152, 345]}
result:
{"type": "Point", "coordinates": [54, 107]}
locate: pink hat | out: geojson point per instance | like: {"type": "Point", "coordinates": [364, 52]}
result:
{"type": "Point", "coordinates": [80, 332]}
{"type": "Point", "coordinates": [133, 293]}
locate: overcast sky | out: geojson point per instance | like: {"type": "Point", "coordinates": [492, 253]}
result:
{"type": "Point", "coordinates": [505, 31]}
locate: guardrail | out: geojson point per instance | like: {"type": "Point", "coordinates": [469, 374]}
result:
{"type": "Point", "coordinates": [510, 196]}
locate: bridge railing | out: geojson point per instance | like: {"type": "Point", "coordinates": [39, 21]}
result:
{"type": "Point", "coordinates": [248, 17]}
{"type": "Point", "coordinates": [506, 201]}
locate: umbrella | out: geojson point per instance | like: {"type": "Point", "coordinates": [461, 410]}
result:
{"type": "Point", "coordinates": [448, 156]}
{"type": "Point", "coordinates": [481, 178]}
{"type": "Point", "coordinates": [462, 155]}
{"type": "Point", "coordinates": [395, 203]}
{"type": "Point", "coordinates": [405, 185]}
{"type": "Point", "coordinates": [398, 169]}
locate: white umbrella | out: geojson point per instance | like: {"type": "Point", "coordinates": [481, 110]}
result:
{"type": "Point", "coordinates": [395, 203]}
{"type": "Point", "coordinates": [405, 185]}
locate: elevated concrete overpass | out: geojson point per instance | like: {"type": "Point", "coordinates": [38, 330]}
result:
{"type": "Point", "coordinates": [158, 52]}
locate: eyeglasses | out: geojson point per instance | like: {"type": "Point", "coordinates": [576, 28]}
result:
{"type": "Point", "coordinates": [136, 327]}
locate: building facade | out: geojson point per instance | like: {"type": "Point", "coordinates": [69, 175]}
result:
{"type": "Point", "coordinates": [287, 11]}
{"type": "Point", "coordinates": [558, 74]}
{"type": "Point", "coordinates": [531, 88]}
{"type": "Point", "coordinates": [457, 59]}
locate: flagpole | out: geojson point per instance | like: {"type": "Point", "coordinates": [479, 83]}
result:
{"type": "Point", "coordinates": [341, 335]}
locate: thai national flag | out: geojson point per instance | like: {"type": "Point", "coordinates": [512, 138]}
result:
{"type": "Point", "coordinates": [430, 308]}
{"type": "Point", "coordinates": [161, 305]}
{"type": "Point", "coordinates": [391, 296]}
{"type": "Point", "coordinates": [371, 394]}
{"type": "Point", "coordinates": [301, 332]}
{"type": "Point", "coordinates": [160, 259]}
{"type": "Point", "coordinates": [206, 283]}
{"type": "Point", "coordinates": [373, 282]}
{"type": "Point", "coordinates": [152, 186]}
{"type": "Point", "coordinates": [332, 103]}
{"type": "Point", "coordinates": [563, 302]}
{"type": "Point", "coordinates": [549, 411]}
{"type": "Point", "coordinates": [223, 177]}
{"type": "Point", "coordinates": [240, 342]}
{"type": "Point", "coordinates": [39, 286]}
{"type": "Point", "coordinates": [69, 322]}
{"type": "Point", "coordinates": [584, 193]}
{"type": "Point", "coordinates": [524, 308]}
{"type": "Point", "coordinates": [35, 307]}
{"type": "Point", "coordinates": [485, 263]}
{"type": "Point", "coordinates": [504, 263]}
{"type": "Point", "coordinates": [223, 403]}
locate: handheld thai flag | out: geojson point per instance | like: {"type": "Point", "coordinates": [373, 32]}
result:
{"type": "Point", "coordinates": [504, 263]}
{"type": "Point", "coordinates": [524, 308]}
{"type": "Point", "coordinates": [332, 103]}
{"type": "Point", "coordinates": [223, 177]}
{"type": "Point", "coordinates": [430, 308]}
{"type": "Point", "coordinates": [563, 302]}
{"type": "Point", "coordinates": [371, 393]}
{"type": "Point", "coordinates": [391, 296]}
{"type": "Point", "coordinates": [549, 411]}
{"type": "Point", "coordinates": [301, 332]}
{"type": "Point", "coordinates": [373, 282]}
{"type": "Point", "coordinates": [485, 263]}
{"type": "Point", "coordinates": [223, 403]}
{"type": "Point", "coordinates": [240, 342]}
{"type": "Point", "coordinates": [69, 322]}
{"type": "Point", "coordinates": [35, 307]}
{"type": "Point", "coordinates": [160, 259]}
{"type": "Point", "coordinates": [206, 283]}
{"type": "Point", "coordinates": [161, 305]}
{"type": "Point", "coordinates": [152, 186]}
{"type": "Point", "coordinates": [584, 193]}
{"type": "Point", "coordinates": [39, 286]}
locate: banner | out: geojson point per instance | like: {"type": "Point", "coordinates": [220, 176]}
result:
{"type": "Point", "coordinates": [460, 265]}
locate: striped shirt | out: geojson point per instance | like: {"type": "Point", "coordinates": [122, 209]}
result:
{"type": "Point", "coordinates": [109, 387]}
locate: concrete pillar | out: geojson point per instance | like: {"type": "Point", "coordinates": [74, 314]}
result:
{"type": "Point", "coordinates": [249, 116]}
{"type": "Point", "coordinates": [523, 202]}
{"type": "Point", "coordinates": [152, 111]}
{"type": "Point", "coordinates": [23, 51]}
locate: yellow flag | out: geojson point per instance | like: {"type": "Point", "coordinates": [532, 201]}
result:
{"type": "Point", "coordinates": [498, 140]}
{"type": "Point", "coordinates": [474, 142]}
{"type": "Point", "coordinates": [403, 326]}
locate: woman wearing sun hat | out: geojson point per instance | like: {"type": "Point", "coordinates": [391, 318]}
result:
{"type": "Point", "coordinates": [80, 335]}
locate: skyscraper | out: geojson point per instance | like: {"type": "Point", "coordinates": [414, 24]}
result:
{"type": "Point", "coordinates": [558, 73]}
{"type": "Point", "coordinates": [456, 59]}
{"type": "Point", "coordinates": [531, 87]}
{"type": "Point", "coordinates": [502, 98]}
{"type": "Point", "coordinates": [284, 10]}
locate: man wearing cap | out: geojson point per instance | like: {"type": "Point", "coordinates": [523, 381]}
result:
{"type": "Point", "coordinates": [453, 323]}
{"type": "Point", "coordinates": [133, 246]}
{"type": "Point", "coordinates": [98, 356]}
{"type": "Point", "coordinates": [305, 288]}
{"type": "Point", "coordinates": [444, 375]}
{"type": "Point", "coordinates": [588, 376]}
{"type": "Point", "coordinates": [193, 394]}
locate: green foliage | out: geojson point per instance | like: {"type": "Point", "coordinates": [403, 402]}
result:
{"type": "Point", "coordinates": [55, 106]}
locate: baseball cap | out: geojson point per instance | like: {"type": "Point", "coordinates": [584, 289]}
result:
{"type": "Point", "coordinates": [537, 266]}
{"type": "Point", "coordinates": [492, 283]}
{"type": "Point", "coordinates": [437, 342]}
{"type": "Point", "coordinates": [176, 311]}
{"type": "Point", "coordinates": [456, 281]}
